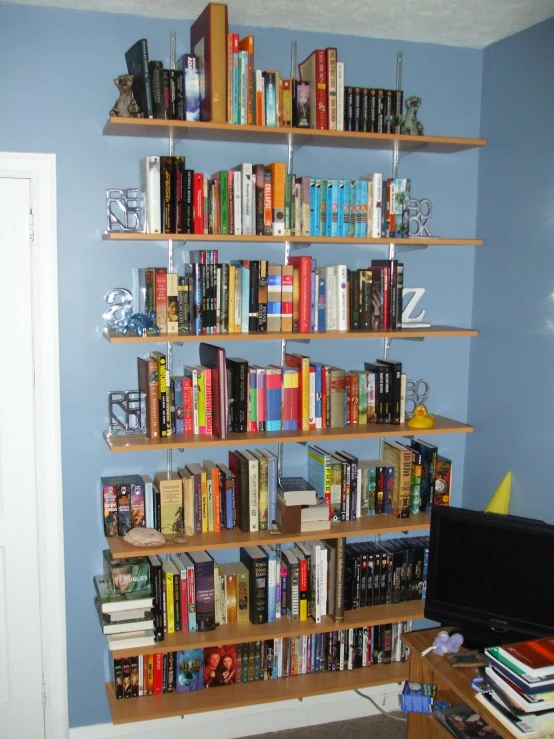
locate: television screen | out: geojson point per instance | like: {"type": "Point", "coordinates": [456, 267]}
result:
{"type": "Point", "coordinates": [490, 573]}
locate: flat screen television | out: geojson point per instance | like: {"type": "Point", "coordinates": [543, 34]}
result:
{"type": "Point", "coordinates": [490, 576]}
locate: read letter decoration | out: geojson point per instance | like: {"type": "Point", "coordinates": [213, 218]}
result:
{"type": "Point", "coordinates": [125, 210]}
{"type": "Point", "coordinates": [125, 414]}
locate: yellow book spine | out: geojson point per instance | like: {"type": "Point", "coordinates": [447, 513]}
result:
{"type": "Point", "coordinates": [210, 489]}
{"type": "Point", "coordinates": [201, 384]}
{"type": "Point", "coordinates": [204, 488]}
{"type": "Point", "coordinates": [305, 394]}
{"type": "Point", "coordinates": [303, 607]}
{"type": "Point", "coordinates": [231, 310]}
{"type": "Point", "coordinates": [169, 603]}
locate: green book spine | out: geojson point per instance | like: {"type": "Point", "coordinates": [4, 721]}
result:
{"type": "Point", "coordinates": [224, 200]}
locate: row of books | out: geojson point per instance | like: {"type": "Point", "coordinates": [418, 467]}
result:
{"type": "Point", "coordinates": [256, 296]}
{"type": "Point", "coordinates": [258, 199]}
{"type": "Point", "coordinates": [224, 395]}
{"type": "Point", "coordinates": [519, 687]}
{"type": "Point", "coordinates": [209, 667]}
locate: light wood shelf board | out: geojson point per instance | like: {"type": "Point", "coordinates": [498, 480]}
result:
{"type": "Point", "coordinates": [281, 628]}
{"type": "Point", "coordinates": [201, 131]}
{"type": "Point", "coordinates": [143, 443]}
{"type": "Point", "coordinates": [247, 694]}
{"type": "Point", "coordinates": [406, 333]}
{"type": "Point", "coordinates": [365, 526]}
{"type": "Point", "coordinates": [232, 239]}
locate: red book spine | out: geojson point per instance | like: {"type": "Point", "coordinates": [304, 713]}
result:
{"type": "Point", "coordinates": [209, 409]}
{"type": "Point", "coordinates": [184, 603]}
{"type": "Point", "coordinates": [158, 674]}
{"type": "Point", "coordinates": [303, 576]}
{"type": "Point", "coordinates": [187, 404]}
{"type": "Point", "coordinates": [321, 91]}
{"type": "Point", "coordinates": [261, 400]}
{"type": "Point", "coordinates": [312, 397]}
{"type": "Point", "coordinates": [191, 591]}
{"type": "Point", "coordinates": [198, 203]}
{"type": "Point", "coordinates": [304, 265]}
{"type": "Point", "coordinates": [354, 399]}
{"type": "Point", "coordinates": [347, 400]}
{"type": "Point", "coordinates": [323, 398]}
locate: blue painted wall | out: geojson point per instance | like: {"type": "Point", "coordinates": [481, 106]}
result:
{"type": "Point", "coordinates": [57, 69]}
{"type": "Point", "coordinates": [511, 394]}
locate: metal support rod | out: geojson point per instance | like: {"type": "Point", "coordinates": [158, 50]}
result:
{"type": "Point", "coordinates": [396, 151]}
{"type": "Point", "coordinates": [293, 59]}
{"type": "Point", "coordinates": [171, 143]}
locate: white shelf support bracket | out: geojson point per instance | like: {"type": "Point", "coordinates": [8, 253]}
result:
{"type": "Point", "coordinates": [297, 247]}
{"type": "Point", "coordinates": [411, 247]}
{"type": "Point", "coordinates": [300, 341]}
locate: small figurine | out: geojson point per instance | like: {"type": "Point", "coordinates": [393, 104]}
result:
{"type": "Point", "coordinates": [410, 124]}
{"type": "Point", "coordinates": [421, 419]}
{"type": "Point", "coordinates": [125, 106]}
{"type": "Point", "coordinates": [140, 323]}
{"type": "Point", "coordinates": [446, 643]}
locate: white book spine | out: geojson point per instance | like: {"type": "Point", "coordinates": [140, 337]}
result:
{"type": "Point", "coordinates": [324, 575]}
{"type": "Point", "coordinates": [237, 189]}
{"type": "Point", "coordinates": [195, 419]}
{"type": "Point", "coordinates": [341, 649]}
{"type": "Point", "coordinates": [278, 645]}
{"type": "Point", "coordinates": [340, 96]}
{"type": "Point", "coordinates": [150, 192]}
{"type": "Point", "coordinates": [247, 198]}
{"type": "Point", "coordinates": [312, 400]}
{"type": "Point", "coordinates": [403, 383]}
{"type": "Point", "coordinates": [148, 503]}
{"type": "Point", "coordinates": [253, 494]}
{"type": "Point", "coordinates": [330, 299]}
{"type": "Point", "coordinates": [271, 586]}
{"type": "Point", "coordinates": [377, 201]}
{"type": "Point", "coordinates": [217, 595]}
{"type": "Point", "coordinates": [359, 493]}
{"type": "Point", "coordinates": [141, 675]}
{"type": "Point", "coordinates": [342, 307]}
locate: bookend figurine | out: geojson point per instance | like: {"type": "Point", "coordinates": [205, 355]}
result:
{"type": "Point", "coordinates": [411, 125]}
{"type": "Point", "coordinates": [421, 418]}
{"type": "Point", "coordinates": [125, 106]}
{"type": "Point", "coordinates": [141, 324]}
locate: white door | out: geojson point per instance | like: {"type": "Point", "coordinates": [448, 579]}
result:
{"type": "Point", "coordinates": [21, 671]}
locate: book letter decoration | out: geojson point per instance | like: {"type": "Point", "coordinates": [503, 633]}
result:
{"type": "Point", "coordinates": [417, 391]}
{"type": "Point", "coordinates": [120, 301]}
{"type": "Point", "coordinates": [419, 213]}
{"type": "Point", "coordinates": [125, 210]}
{"type": "Point", "coordinates": [409, 321]}
{"type": "Point", "coordinates": [125, 416]}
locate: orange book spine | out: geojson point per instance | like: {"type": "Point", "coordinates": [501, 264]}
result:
{"type": "Point", "coordinates": [278, 174]}
{"type": "Point", "coordinates": [217, 500]}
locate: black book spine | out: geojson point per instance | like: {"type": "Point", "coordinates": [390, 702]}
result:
{"type": "Point", "coordinates": [165, 670]}
{"type": "Point", "coordinates": [369, 578]}
{"type": "Point", "coordinates": [179, 95]}
{"type": "Point", "coordinates": [380, 111]}
{"type": "Point", "coordinates": [294, 121]}
{"type": "Point", "coordinates": [177, 606]}
{"type": "Point", "coordinates": [137, 65]}
{"type": "Point", "coordinates": [393, 294]}
{"type": "Point", "coordinates": [204, 293]}
{"type": "Point", "coordinates": [357, 109]}
{"type": "Point", "coordinates": [387, 643]}
{"type": "Point", "coordinates": [398, 113]}
{"type": "Point", "coordinates": [349, 578]}
{"type": "Point", "coordinates": [157, 84]}
{"type": "Point", "coordinates": [157, 592]}
{"type": "Point", "coordinates": [349, 109]}
{"type": "Point", "coordinates": [253, 307]}
{"type": "Point", "coordinates": [359, 644]}
{"type": "Point", "coordinates": [134, 677]}
{"type": "Point", "coordinates": [167, 185]}
{"type": "Point", "coordinates": [399, 288]}
{"type": "Point", "coordinates": [223, 270]}
{"type": "Point", "coordinates": [170, 672]}
{"type": "Point", "coordinates": [396, 589]}
{"type": "Point", "coordinates": [173, 93]}
{"type": "Point", "coordinates": [407, 568]}
{"type": "Point", "coordinates": [157, 509]}
{"type": "Point", "coordinates": [123, 509]}
{"type": "Point", "coordinates": [262, 298]}
{"type": "Point", "coordinates": [373, 111]}
{"type": "Point", "coordinates": [188, 205]}
{"type": "Point", "coordinates": [167, 94]}
{"type": "Point", "coordinates": [126, 670]}
{"type": "Point", "coordinates": [118, 678]}
{"type": "Point", "coordinates": [241, 397]}
{"type": "Point", "coordinates": [365, 124]}
{"type": "Point", "coordinates": [353, 487]}
{"type": "Point", "coordinates": [205, 595]}
{"type": "Point", "coordinates": [376, 577]}
{"type": "Point", "coordinates": [178, 192]}
{"type": "Point", "coordinates": [389, 111]}
{"type": "Point", "coordinates": [182, 300]}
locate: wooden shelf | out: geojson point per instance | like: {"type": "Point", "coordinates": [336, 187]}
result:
{"type": "Point", "coordinates": [406, 333]}
{"type": "Point", "coordinates": [225, 239]}
{"type": "Point", "coordinates": [247, 694]}
{"type": "Point", "coordinates": [143, 443]}
{"type": "Point", "coordinates": [158, 128]}
{"type": "Point", "coordinates": [282, 627]}
{"type": "Point", "coordinates": [366, 526]}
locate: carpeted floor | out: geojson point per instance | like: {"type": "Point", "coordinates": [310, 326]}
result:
{"type": "Point", "coordinates": [374, 727]}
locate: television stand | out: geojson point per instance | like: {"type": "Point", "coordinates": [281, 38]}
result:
{"type": "Point", "coordinates": [453, 685]}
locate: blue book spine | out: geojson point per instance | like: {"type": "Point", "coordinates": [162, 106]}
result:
{"type": "Point", "coordinates": [191, 81]}
{"type": "Point", "coordinates": [272, 489]}
{"type": "Point", "coordinates": [236, 87]}
{"type": "Point", "coordinates": [335, 208]}
{"type": "Point", "coordinates": [363, 209]}
{"type": "Point", "coordinates": [339, 199]}
{"type": "Point", "coordinates": [352, 209]}
{"type": "Point", "coordinates": [317, 208]}
{"type": "Point", "coordinates": [321, 303]}
{"type": "Point", "coordinates": [312, 206]}
{"type": "Point", "coordinates": [271, 582]}
{"type": "Point", "coordinates": [177, 393]}
{"type": "Point", "coordinates": [273, 407]}
{"type": "Point", "coordinates": [149, 503]}
{"type": "Point", "coordinates": [229, 522]}
{"type": "Point", "coordinates": [346, 209]}
{"type": "Point", "coordinates": [318, 396]}
{"type": "Point", "coordinates": [270, 99]}
{"type": "Point", "coordinates": [197, 299]}
{"type": "Point", "coordinates": [389, 487]}
{"type": "Point", "coordinates": [425, 567]}
{"type": "Point", "coordinates": [329, 208]}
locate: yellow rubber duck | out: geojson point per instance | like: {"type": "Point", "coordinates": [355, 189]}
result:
{"type": "Point", "coordinates": [421, 419]}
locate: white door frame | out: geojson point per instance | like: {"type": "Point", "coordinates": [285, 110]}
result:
{"type": "Point", "coordinates": [41, 170]}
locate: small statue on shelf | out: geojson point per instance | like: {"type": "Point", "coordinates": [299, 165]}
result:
{"type": "Point", "coordinates": [125, 106]}
{"type": "Point", "coordinates": [421, 418]}
{"type": "Point", "coordinates": [410, 124]}
{"type": "Point", "coordinates": [140, 324]}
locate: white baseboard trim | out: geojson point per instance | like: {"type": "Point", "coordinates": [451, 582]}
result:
{"type": "Point", "coordinates": [242, 722]}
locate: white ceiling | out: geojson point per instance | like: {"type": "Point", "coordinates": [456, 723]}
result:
{"type": "Point", "coordinates": [471, 23]}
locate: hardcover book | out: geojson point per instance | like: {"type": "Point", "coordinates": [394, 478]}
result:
{"type": "Point", "coordinates": [256, 563]}
{"type": "Point", "coordinates": [204, 587]}
{"type": "Point", "coordinates": [208, 41]}
{"type": "Point", "coordinates": [137, 65]}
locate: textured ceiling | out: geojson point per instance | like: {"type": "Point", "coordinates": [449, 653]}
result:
{"type": "Point", "coordinates": [471, 23]}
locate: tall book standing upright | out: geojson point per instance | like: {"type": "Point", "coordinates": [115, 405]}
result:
{"type": "Point", "coordinates": [208, 40]}
{"type": "Point", "coordinates": [137, 65]}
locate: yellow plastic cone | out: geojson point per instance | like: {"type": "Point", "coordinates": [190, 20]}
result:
{"type": "Point", "coordinates": [500, 501]}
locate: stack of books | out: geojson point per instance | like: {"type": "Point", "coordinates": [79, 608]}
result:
{"type": "Point", "coordinates": [125, 613]}
{"type": "Point", "coordinates": [521, 681]}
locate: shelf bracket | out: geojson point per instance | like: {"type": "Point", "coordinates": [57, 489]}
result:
{"type": "Point", "coordinates": [302, 443]}
{"type": "Point", "coordinates": [300, 341]}
{"type": "Point", "coordinates": [407, 338]}
{"type": "Point", "coordinates": [410, 247]}
{"type": "Point", "coordinates": [297, 247]}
